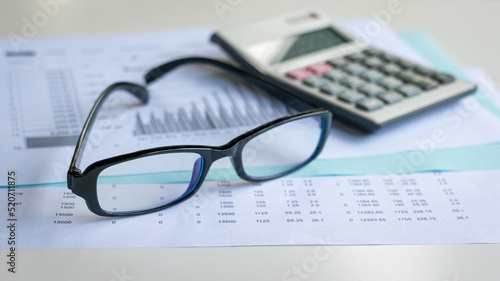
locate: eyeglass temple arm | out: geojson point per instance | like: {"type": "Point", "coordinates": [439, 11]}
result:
{"type": "Point", "coordinates": [138, 91]}
{"type": "Point", "coordinates": [260, 81]}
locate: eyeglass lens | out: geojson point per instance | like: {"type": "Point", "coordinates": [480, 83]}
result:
{"type": "Point", "coordinates": [282, 148]}
{"type": "Point", "coordinates": [149, 182]}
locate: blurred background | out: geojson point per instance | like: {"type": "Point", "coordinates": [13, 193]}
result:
{"type": "Point", "coordinates": [467, 30]}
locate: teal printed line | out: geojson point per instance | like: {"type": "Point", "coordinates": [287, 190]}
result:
{"type": "Point", "coordinates": [423, 43]}
{"type": "Point", "coordinates": [53, 184]}
{"type": "Point", "coordinates": [484, 157]}
{"type": "Point", "coordinates": [163, 177]}
{"type": "Point", "coordinates": [257, 172]}
{"type": "Point", "coordinates": [469, 158]}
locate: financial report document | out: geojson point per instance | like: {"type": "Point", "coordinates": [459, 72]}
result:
{"type": "Point", "coordinates": [399, 186]}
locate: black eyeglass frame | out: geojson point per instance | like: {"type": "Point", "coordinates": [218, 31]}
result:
{"type": "Point", "coordinates": [84, 184]}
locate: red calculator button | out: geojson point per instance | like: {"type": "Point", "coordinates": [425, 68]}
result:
{"type": "Point", "coordinates": [299, 74]}
{"type": "Point", "coordinates": [319, 68]}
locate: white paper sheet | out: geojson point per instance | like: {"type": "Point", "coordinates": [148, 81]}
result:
{"type": "Point", "coordinates": [50, 91]}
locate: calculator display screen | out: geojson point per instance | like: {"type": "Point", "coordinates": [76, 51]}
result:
{"type": "Point", "coordinates": [283, 49]}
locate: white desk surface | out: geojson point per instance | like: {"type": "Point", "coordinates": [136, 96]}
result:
{"type": "Point", "coordinates": [467, 30]}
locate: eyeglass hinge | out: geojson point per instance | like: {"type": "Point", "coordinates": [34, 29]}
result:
{"type": "Point", "coordinates": [75, 171]}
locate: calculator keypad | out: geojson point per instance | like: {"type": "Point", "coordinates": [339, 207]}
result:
{"type": "Point", "coordinates": [370, 79]}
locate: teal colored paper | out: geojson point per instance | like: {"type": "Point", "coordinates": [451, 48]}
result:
{"type": "Point", "coordinates": [423, 44]}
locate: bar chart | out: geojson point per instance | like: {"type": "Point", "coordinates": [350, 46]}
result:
{"type": "Point", "coordinates": [232, 106]}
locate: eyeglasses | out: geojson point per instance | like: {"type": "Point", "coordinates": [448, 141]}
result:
{"type": "Point", "coordinates": [157, 178]}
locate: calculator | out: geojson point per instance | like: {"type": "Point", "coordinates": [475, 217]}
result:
{"type": "Point", "coordinates": [326, 67]}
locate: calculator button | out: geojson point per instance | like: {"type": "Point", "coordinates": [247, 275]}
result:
{"type": "Point", "coordinates": [407, 77]}
{"type": "Point", "coordinates": [351, 96]}
{"type": "Point", "coordinates": [426, 85]}
{"type": "Point", "coordinates": [423, 83]}
{"type": "Point", "coordinates": [391, 69]}
{"type": "Point", "coordinates": [319, 68]}
{"type": "Point", "coordinates": [370, 104]}
{"type": "Point", "coordinates": [335, 75]}
{"type": "Point", "coordinates": [332, 89]}
{"type": "Point", "coordinates": [389, 58]}
{"type": "Point", "coordinates": [372, 75]}
{"type": "Point", "coordinates": [315, 81]}
{"type": "Point", "coordinates": [353, 82]}
{"type": "Point", "coordinates": [338, 62]}
{"type": "Point", "coordinates": [371, 89]}
{"type": "Point", "coordinates": [390, 83]}
{"type": "Point", "coordinates": [355, 68]}
{"type": "Point", "coordinates": [372, 51]}
{"type": "Point", "coordinates": [443, 78]}
{"type": "Point", "coordinates": [407, 64]}
{"type": "Point", "coordinates": [355, 57]}
{"type": "Point", "coordinates": [409, 90]}
{"type": "Point", "coordinates": [299, 74]}
{"type": "Point", "coordinates": [424, 71]}
{"type": "Point", "coordinates": [373, 62]}
{"type": "Point", "coordinates": [391, 97]}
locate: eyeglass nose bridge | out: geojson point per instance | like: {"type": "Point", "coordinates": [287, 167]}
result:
{"type": "Point", "coordinates": [233, 151]}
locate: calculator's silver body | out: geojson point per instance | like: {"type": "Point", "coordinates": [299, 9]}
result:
{"type": "Point", "coordinates": [237, 41]}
